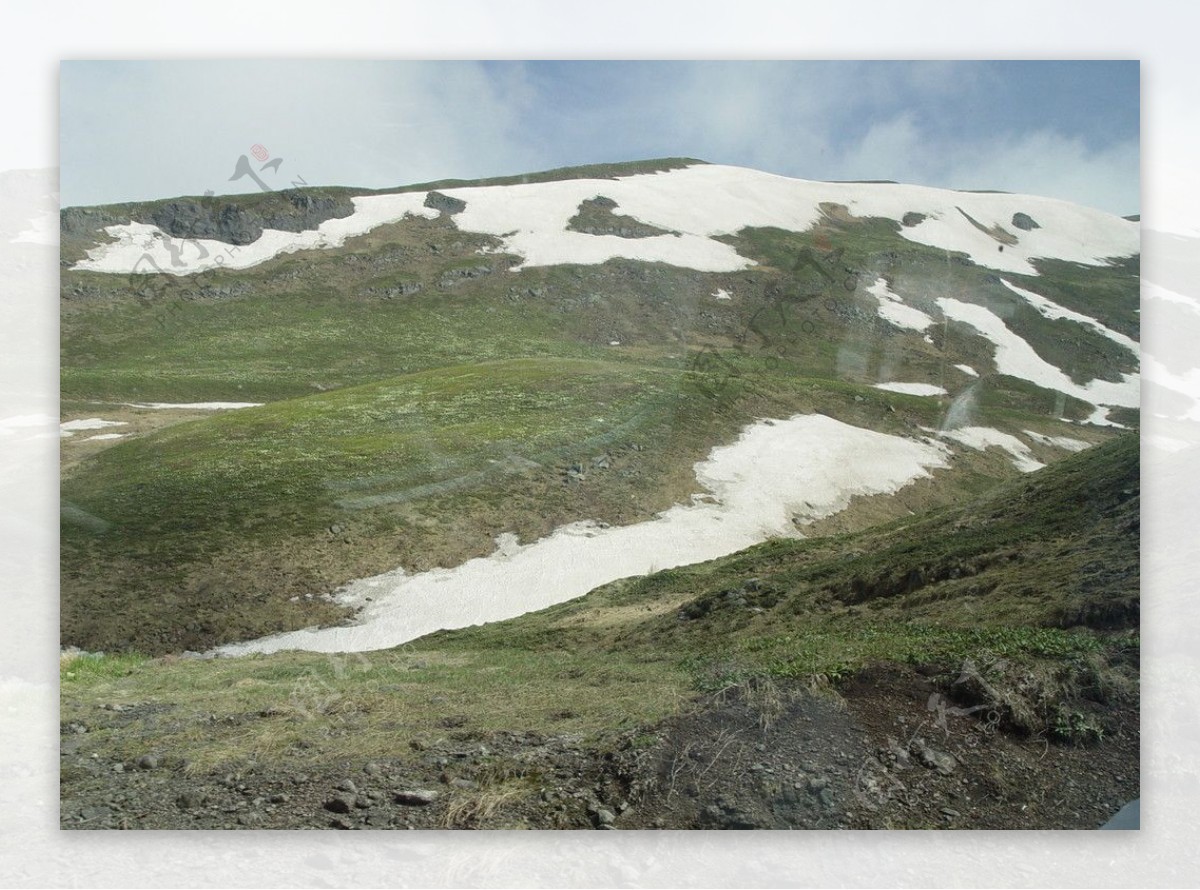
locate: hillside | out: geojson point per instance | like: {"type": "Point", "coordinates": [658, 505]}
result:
{"type": "Point", "coordinates": [340, 420]}
{"type": "Point", "coordinates": [932, 672]}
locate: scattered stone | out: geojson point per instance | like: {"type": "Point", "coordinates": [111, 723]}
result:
{"type": "Point", "coordinates": [942, 761]}
{"type": "Point", "coordinates": [279, 798]}
{"type": "Point", "coordinates": [348, 786]}
{"type": "Point", "coordinates": [372, 769]}
{"type": "Point", "coordinates": [189, 800]}
{"type": "Point", "coordinates": [148, 761]}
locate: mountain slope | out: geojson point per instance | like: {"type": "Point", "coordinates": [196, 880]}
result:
{"type": "Point", "coordinates": [684, 699]}
{"type": "Point", "coordinates": [386, 413]}
{"type": "Point", "coordinates": [224, 528]}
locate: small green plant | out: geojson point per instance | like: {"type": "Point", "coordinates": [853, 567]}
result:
{"type": "Point", "coordinates": [1076, 727]}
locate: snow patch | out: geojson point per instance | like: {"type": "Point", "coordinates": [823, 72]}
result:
{"type": "Point", "coordinates": [892, 308]}
{"type": "Point", "coordinates": [968, 370]}
{"type": "Point", "coordinates": [721, 294]}
{"type": "Point", "coordinates": [1052, 311]}
{"type": "Point", "coordinates": [778, 474]}
{"type": "Point", "coordinates": [70, 427]}
{"type": "Point", "coordinates": [1099, 417]}
{"type": "Point", "coordinates": [1064, 442]}
{"type": "Point", "coordinates": [105, 436]}
{"type": "Point", "coordinates": [912, 389]}
{"type": "Point", "coordinates": [1017, 358]}
{"type": "Point", "coordinates": [140, 247]}
{"type": "Point", "coordinates": [981, 438]}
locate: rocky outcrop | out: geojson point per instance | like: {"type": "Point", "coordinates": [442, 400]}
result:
{"type": "Point", "coordinates": [219, 219]}
{"type": "Point", "coordinates": [1024, 221]}
{"type": "Point", "coordinates": [288, 211]}
{"type": "Point", "coordinates": [444, 203]}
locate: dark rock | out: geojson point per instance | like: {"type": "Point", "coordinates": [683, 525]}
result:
{"type": "Point", "coordinates": [912, 218]}
{"type": "Point", "coordinates": [337, 805]}
{"type": "Point", "coordinates": [416, 798]}
{"type": "Point", "coordinates": [148, 761]}
{"type": "Point", "coordinates": [1024, 221]}
{"type": "Point", "coordinates": [445, 203]}
{"type": "Point", "coordinates": [243, 223]}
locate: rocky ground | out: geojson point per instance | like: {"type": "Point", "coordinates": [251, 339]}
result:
{"type": "Point", "coordinates": [891, 747]}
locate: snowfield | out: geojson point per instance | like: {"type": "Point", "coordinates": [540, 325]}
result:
{"type": "Point", "coordinates": [697, 202]}
{"type": "Point", "coordinates": [777, 475]}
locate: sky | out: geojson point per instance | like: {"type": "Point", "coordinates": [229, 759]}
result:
{"type": "Point", "coordinates": [144, 130]}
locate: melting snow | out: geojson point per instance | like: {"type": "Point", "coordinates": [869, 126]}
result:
{"type": "Point", "coordinates": [1099, 417]}
{"type": "Point", "coordinates": [807, 467]}
{"type": "Point", "coordinates": [135, 241]}
{"type": "Point", "coordinates": [721, 294]}
{"type": "Point", "coordinates": [1017, 358]}
{"type": "Point", "coordinates": [983, 437]}
{"type": "Point", "coordinates": [913, 389]}
{"type": "Point", "coordinates": [105, 436]}
{"type": "Point", "coordinates": [968, 370]}
{"type": "Point", "coordinates": [70, 427]}
{"type": "Point", "coordinates": [698, 202]}
{"type": "Point", "coordinates": [893, 309]}
{"type": "Point", "coordinates": [1064, 442]}
{"type": "Point", "coordinates": [1052, 310]}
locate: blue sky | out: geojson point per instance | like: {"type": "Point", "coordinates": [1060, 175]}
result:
{"type": "Point", "coordinates": [141, 130]}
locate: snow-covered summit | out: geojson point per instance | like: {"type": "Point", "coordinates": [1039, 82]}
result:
{"type": "Point", "coordinates": [694, 204]}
